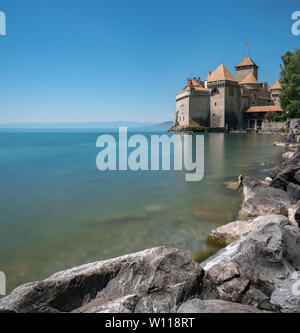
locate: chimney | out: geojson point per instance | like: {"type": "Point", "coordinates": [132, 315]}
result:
{"type": "Point", "coordinates": [209, 74]}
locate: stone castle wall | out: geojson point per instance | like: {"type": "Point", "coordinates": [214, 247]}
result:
{"type": "Point", "coordinates": [232, 106]}
{"type": "Point", "coordinates": [200, 109]}
{"type": "Point", "coordinates": [217, 103]}
{"type": "Point", "coordinates": [182, 110]}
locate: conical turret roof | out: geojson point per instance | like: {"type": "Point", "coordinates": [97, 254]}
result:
{"type": "Point", "coordinates": [249, 79]}
{"type": "Point", "coordinates": [277, 85]}
{"type": "Point", "coordinates": [247, 61]}
{"type": "Point", "coordinates": [222, 73]}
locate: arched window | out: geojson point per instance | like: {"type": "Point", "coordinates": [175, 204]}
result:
{"type": "Point", "coordinates": [215, 91]}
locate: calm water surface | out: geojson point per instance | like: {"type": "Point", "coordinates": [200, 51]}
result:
{"type": "Point", "coordinates": [57, 210]}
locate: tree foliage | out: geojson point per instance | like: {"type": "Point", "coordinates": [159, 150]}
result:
{"type": "Point", "coordinates": [290, 81]}
{"type": "Point", "coordinates": [270, 115]}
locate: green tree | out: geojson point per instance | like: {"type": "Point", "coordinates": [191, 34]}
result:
{"type": "Point", "coordinates": [270, 115]}
{"type": "Point", "coordinates": [290, 81]}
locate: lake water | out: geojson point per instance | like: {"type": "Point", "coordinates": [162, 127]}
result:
{"type": "Point", "coordinates": [58, 210]}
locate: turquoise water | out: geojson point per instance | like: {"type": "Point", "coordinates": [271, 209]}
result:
{"type": "Point", "coordinates": [58, 210]}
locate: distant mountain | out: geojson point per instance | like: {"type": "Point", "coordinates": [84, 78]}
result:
{"type": "Point", "coordinates": [83, 125]}
{"type": "Point", "coordinates": [164, 125]}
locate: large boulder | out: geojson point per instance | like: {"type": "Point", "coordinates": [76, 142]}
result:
{"type": "Point", "coordinates": [293, 191]}
{"type": "Point", "coordinates": [234, 231]}
{"type": "Point", "coordinates": [287, 298]}
{"type": "Point", "coordinates": [294, 161]}
{"type": "Point", "coordinates": [294, 135]}
{"type": "Point", "coordinates": [285, 177]}
{"type": "Point", "coordinates": [288, 155]}
{"type": "Point", "coordinates": [197, 305]}
{"type": "Point", "coordinates": [262, 199]}
{"type": "Point", "coordinates": [251, 269]}
{"type": "Point", "coordinates": [155, 280]}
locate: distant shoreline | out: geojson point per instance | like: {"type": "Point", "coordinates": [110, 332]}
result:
{"type": "Point", "coordinates": [79, 125]}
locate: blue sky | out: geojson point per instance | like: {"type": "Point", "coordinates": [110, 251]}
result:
{"type": "Point", "coordinates": [95, 60]}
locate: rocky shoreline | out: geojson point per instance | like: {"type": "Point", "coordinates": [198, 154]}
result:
{"type": "Point", "coordinates": [257, 271]}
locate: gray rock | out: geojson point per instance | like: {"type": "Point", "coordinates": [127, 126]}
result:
{"type": "Point", "coordinates": [233, 231]}
{"type": "Point", "coordinates": [261, 199]}
{"type": "Point", "coordinates": [297, 214]}
{"type": "Point", "coordinates": [286, 298]}
{"type": "Point", "coordinates": [294, 135]}
{"type": "Point", "coordinates": [268, 180]}
{"type": "Point", "coordinates": [197, 305]}
{"type": "Point", "coordinates": [297, 177]}
{"type": "Point", "coordinates": [251, 269]}
{"type": "Point", "coordinates": [280, 144]}
{"type": "Point", "coordinates": [285, 177]}
{"type": "Point", "coordinates": [288, 155]}
{"type": "Point", "coordinates": [155, 280]}
{"type": "Point", "coordinates": [293, 214]}
{"type": "Point", "coordinates": [294, 162]}
{"type": "Point", "coordinates": [276, 170]}
{"type": "Point", "coordinates": [293, 191]}
{"type": "Point", "coordinates": [125, 304]}
{"type": "Point", "coordinates": [295, 126]}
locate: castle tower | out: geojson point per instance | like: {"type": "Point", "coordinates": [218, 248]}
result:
{"type": "Point", "coordinates": [225, 99]}
{"type": "Point", "coordinates": [245, 67]}
{"type": "Point", "coordinates": [275, 93]}
{"type": "Point", "coordinates": [192, 105]}
{"type": "Point", "coordinates": [251, 84]}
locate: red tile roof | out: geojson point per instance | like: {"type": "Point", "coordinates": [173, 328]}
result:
{"type": "Point", "coordinates": [277, 85]}
{"type": "Point", "coordinates": [247, 61]}
{"type": "Point", "coordinates": [249, 79]}
{"type": "Point", "coordinates": [271, 108]}
{"type": "Point", "coordinates": [222, 73]}
{"type": "Point", "coordinates": [197, 88]}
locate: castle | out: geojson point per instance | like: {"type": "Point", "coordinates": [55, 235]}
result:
{"type": "Point", "coordinates": [227, 102]}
